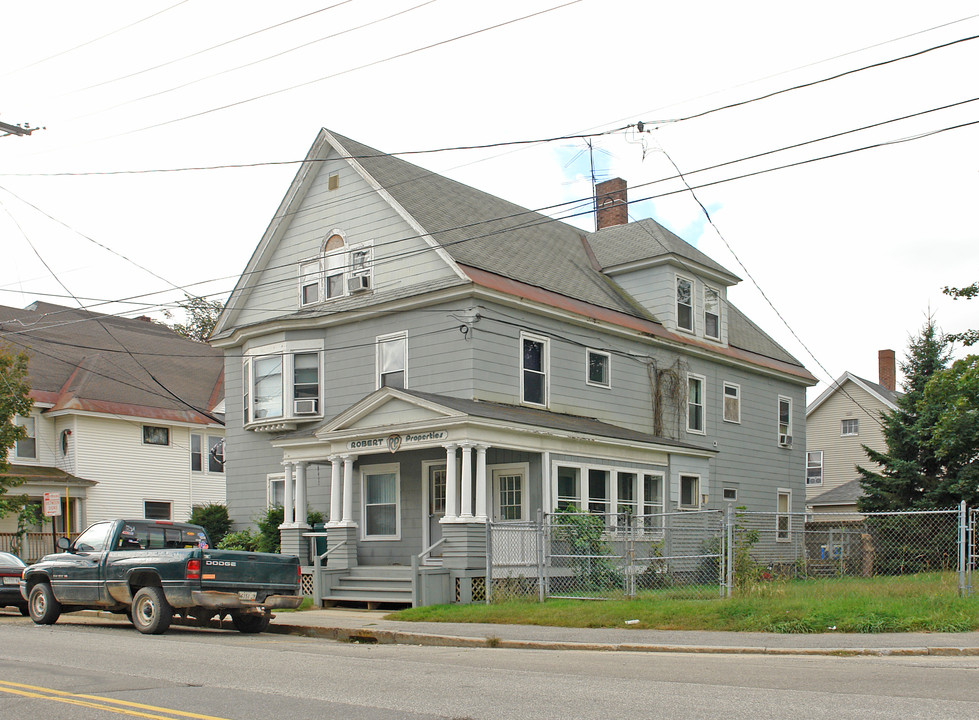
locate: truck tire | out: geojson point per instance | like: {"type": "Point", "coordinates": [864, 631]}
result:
{"type": "Point", "coordinates": [250, 622]}
{"type": "Point", "coordinates": [151, 613]}
{"type": "Point", "coordinates": [42, 605]}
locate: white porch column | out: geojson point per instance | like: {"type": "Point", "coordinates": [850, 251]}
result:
{"type": "Point", "coordinates": [481, 483]}
{"type": "Point", "coordinates": [451, 486]}
{"type": "Point", "coordinates": [288, 502]}
{"type": "Point", "coordinates": [300, 518]}
{"type": "Point", "coordinates": [467, 482]}
{"type": "Point", "coordinates": [348, 491]}
{"type": "Point", "coordinates": [336, 489]}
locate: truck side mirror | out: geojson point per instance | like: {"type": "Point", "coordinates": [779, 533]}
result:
{"type": "Point", "coordinates": [63, 543]}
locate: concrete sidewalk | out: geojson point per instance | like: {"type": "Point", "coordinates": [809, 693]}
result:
{"type": "Point", "coordinates": [371, 627]}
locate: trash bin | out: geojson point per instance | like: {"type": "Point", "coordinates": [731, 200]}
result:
{"type": "Point", "coordinates": [320, 541]}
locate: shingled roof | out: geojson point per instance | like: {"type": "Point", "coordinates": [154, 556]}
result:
{"type": "Point", "coordinates": [83, 360]}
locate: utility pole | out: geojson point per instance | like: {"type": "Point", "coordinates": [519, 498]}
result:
{"type": "Point", "coordinates": [7, 129]}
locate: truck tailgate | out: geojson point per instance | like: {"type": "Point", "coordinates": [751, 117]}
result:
{"type": "Point", "coordinates": [237, 571]}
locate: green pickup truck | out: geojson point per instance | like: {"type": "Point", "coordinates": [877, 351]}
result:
{"type": "Point", "coordinates": [151, 570]}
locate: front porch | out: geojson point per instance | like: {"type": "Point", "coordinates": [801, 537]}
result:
{"type": "Point", "coordinates": [413, 480]}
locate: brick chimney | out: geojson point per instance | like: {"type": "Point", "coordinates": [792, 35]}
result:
{"type": "Point", "coordinates": [886, 368]}
{"type": "Point", "coordinates": [611, 203]}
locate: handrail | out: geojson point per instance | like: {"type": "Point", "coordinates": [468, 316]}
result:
{"type": "Point", "coordinates": [427, 551]}
{"type": "Point", "coordinates": [339, 545]}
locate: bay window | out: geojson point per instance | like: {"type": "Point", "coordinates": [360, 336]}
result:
{"type": "Point", "coordinates": [281, 385]}
{"type": "Point", "coordinates": [268, 387]}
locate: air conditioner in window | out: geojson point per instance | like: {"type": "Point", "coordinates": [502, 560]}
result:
{"type": "Point", "coordinates": [305, 406]}
{"type": "Point", "coordinates": [785, 440]}
{"type": "Point", "coordinates": [358, 283]}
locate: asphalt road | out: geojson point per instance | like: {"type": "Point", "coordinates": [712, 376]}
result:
{"type": "Point", "coordinates": [88, 671]}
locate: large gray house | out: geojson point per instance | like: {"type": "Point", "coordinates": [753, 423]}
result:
{"type": "Point", "coordinates": [412, 357]}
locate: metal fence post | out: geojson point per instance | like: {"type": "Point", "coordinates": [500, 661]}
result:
{"type": "Point", "coordinates": [963, 532]}
{"type": "Point", "coordinates": [489, 561]}
{"type": "Point", "coordinates": [730, 549]}
{"type": "Point", "coordinates": [540, 554]}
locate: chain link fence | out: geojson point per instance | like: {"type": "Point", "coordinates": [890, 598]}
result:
{"type": "Point", "coordinates": [710, 554]}
{"type": "Point", "coordinates": [594, 556]}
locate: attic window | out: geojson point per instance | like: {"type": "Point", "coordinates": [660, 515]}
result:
{"type": "Point", "coordinates": [712, 313]}
{"type": "Point", "coordinates": [334, 181]}
{"type": "Point", "coordinates": [684, 304]}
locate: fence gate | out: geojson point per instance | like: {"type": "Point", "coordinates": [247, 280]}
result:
{"type": "Point", "coordinates": [972, 553]}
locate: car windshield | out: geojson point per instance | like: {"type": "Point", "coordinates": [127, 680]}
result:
{"type": "Point", "coordinates": [93, 539]}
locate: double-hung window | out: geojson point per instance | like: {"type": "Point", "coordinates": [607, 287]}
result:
{"type": "Point", "coordinates": [732, 403]}
{"type": "Point", "coordinates": [381, 494]}
{"type": "Point", "coordinates": [814, 467]}
{"type": "Point", "coordinates": [684, 304]}
{"type": "Point", "coordinates": [689, 492]}
{"type": "Point", "coordinates": [599, 497]}
{"type": "Point", "coordinates": [27, 446]}
{"type": "Point", "coordinates": [392, 360]}
{"type": "Point", "coordinates": [215, 453]}
{"type": "Point", "coordinates": [712, 313]}
{"type": "Point", "coordinates": [156, 435]}
{"type": "Point", "coordinates": [849, 427]}
{"type": "Point", "coordinates": [568, 488]}
{"type": "Point", "coordinates": [784, 421]}
{"type": "Point", "coordinates": [310, 280]}
{"type": "Point", "coordinates": [305, 383]}
{"type": "Point", "coordinates": [268, 387]}
{"type": "Point", "coordinates": [533, 370]}
{"type": "Point", "coordinates": [695, 404]}
{"type": "Point", "coordinates": [599, 368]}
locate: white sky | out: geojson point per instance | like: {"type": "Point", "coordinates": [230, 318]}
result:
{"type": "Point", "coordinates": [852, 251]}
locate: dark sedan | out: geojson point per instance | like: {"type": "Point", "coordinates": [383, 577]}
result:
{"type": "Point", "coordinates": [10, 569]}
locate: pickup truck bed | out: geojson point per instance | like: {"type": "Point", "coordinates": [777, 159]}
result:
{"type": "Point", "coordinates": [151, 570]}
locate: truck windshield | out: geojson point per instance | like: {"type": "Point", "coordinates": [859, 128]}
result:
{"type": "Point", "coordinates": [93, 539]}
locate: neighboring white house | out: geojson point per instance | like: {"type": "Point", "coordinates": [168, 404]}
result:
{"type": "Point", "coordinates": [839, 423]}
{"type": "Point", "coordinates": [127, 418]}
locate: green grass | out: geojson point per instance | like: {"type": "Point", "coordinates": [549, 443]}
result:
{"type": "Point", "coordinates": [307, 604]}
{"type": "Point", "coordinates": [913, 603]}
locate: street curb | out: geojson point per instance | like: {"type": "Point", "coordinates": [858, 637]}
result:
{"type": "Point", "coordinates": [400, 637]}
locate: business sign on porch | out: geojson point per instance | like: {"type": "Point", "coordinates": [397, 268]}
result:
{"type": "Point", "coordinates": [52, 504]}
{"type": "Point", "coordinates": [395, 442]}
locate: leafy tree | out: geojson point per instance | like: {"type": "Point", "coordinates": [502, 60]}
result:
{"type": "Point", "coordinates": [910, 469]}
{"type": "Point", "coordinates": [953, 396]}
{"type": "Point", "coordinates": [967, 337]}
{"type": "Point", "coordinates": [202, 314]}
{"type": "Point", "coordinates": [14, 400]}
{"type": "Point", "coordinates": [213, 517]}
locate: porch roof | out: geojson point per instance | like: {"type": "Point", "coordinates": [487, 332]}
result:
{"type": "Point", "coordinates": [45, 474]}
{"type": "Point", "coordinates": [509, 414]}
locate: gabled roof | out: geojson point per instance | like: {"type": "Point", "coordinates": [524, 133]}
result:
{"type": "Point", "coordinates": [475, 231]}
{"type": "Point", "coordinates": [646, 242]}
{"type": "Point", "coordinates": [886, 396]}
{"type": "Point", "coordinates": [81, 360]}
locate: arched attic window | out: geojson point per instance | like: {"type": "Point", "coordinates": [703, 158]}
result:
{"type": "Point", "coordinates": [334, 264]}
{"type": "Point", "coordinates": [340, 269]}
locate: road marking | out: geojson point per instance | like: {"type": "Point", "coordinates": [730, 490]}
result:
{"type": "Point", "coordinates": [129, 708]}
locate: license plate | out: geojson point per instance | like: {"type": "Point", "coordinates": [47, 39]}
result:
{"type": "Point", "coordinates": [246, 595]}
{"type": "Point", "coordinates": [14, 581]}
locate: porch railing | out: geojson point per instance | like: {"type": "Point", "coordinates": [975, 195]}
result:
{"type": "Point", "coordinates": [31, 546]}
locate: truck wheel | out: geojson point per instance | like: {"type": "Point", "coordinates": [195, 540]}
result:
{"type": "Point", "coordinates": [151, 612]}
{"type": "Point", "coordinates": [250, 622]}
{"type": "Point", "coordinates": [42, 605]}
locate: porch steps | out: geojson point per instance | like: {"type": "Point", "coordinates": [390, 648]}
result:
{"type": "Point", "coordinates": [372, 585]}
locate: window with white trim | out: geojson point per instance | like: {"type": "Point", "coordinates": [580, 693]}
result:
{"type": "Point", "coordinates": [381, 498]}
{"type": "Point", "coordinates": [689, 492]}
{"type": "Point", "coordinates": [392, 360]}
{"type": "Point", "coordinates": [568, 488]}
{"type": "Point", "coordinates": [26, 447]}
{"type": "Point", "coordinates": [783, 520]}
{"type": "Point", "coordinates": [695, 404]}
{"type": "Point", "coordinates": [732, 403]}
{"type": "Point", "coordinates": [814, 467]}
{"type": "Point", "coordinates": [729, 494]}
{"type": "Point", "coordinates": [342, 269]}
{"type": "Point", "coordinates": [712, 313]}
{"type": "Point", "coordinates": [310, 282]}
{"type": "Point", "coordinates": [157, 510]}
{"type": "Point", "coordinates": [849, 428]}
{"type": "Point", "coordinates": [684, 303]}
{"type": "Point", "coordinates": [281, 385]}
{"type": "Point", "coordinates": [784, 421]}
{"type": "Point", "coordinates": [599, 495]}
{"type": "Point", "coordinates": [156, 435]}
{"type": "Point", "coordinates": [533, 369]}
{"type": "Point", "coordinates": [215, 454]}
{"type": "Point", "coordinates": [599, 367]}
{"type": "Point", "coordinates": [276, 490]}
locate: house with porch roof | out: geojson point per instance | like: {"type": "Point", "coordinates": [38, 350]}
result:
{"type": "Point", "coordinates": [415, 358]}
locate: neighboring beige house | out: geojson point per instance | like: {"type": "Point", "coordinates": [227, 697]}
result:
{"type": "Point", "coordinates": [127, 418]}
{"type": "Point", "coordinates": [839, 423]}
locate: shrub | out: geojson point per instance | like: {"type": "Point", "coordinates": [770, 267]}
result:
{"type": "Point", "coordinates": [239, 540]}
{"type": "Point", "coordinates": [213, 517]}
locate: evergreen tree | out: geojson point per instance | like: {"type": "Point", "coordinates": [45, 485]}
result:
{"type": "Point", "coordinates": [14, 400]}
{"type": "Point", "coordinates": [911, 471]}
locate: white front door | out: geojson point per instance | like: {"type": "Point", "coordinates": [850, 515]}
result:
{"type": "Point", "coordinates": [509, 495]}
{"type": "Point", "coordinates": [515, 541]}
